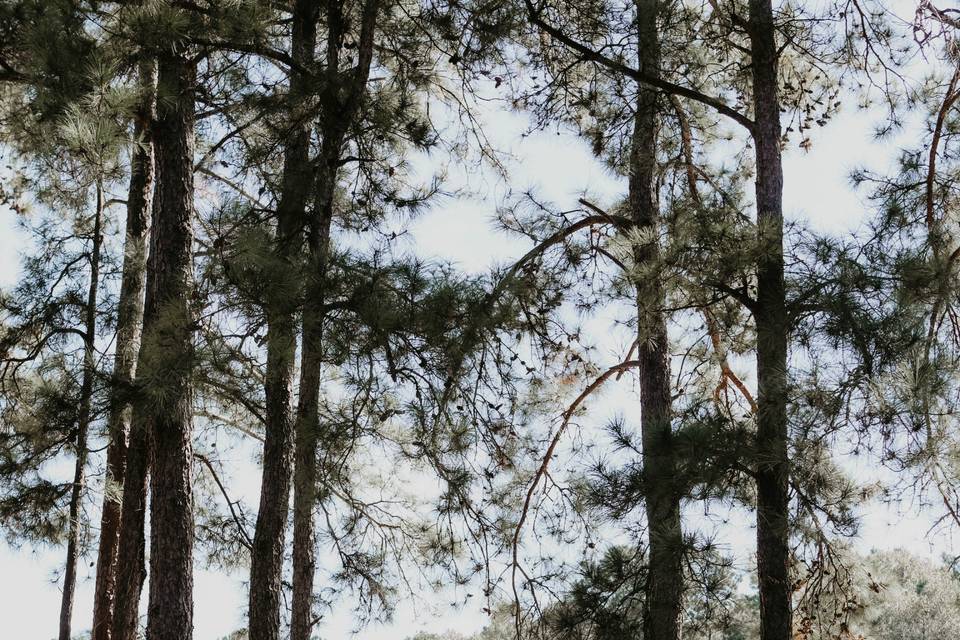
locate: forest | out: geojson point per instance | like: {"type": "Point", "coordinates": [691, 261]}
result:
{"type": "Point", "coordinates": [479, 319]}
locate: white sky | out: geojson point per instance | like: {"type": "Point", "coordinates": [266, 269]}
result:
{"type": "Point", "coordinates": [816, 190]}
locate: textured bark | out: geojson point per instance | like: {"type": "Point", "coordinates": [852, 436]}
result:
{"type": "Point", "coordinates": [83, 423]}
{"type": "Point", "coordinates": [308, 425]}
{"type": "Point", "coordinates": [131, 569]}
{"type": "Point", "coordinates": [662, 605]}
{"type": "Point", "coordinates": [340, 103]}
{"type": "Point", "coordinates": [168, 335]}
{"type": "Point", "coordinates": [773, 550]}
{"type": "Point", "coordinates": [305, 481]}
{"type": "Point", "coordinates": [267, 554]}
{"type": "Point", "coordinates": [129, 325]}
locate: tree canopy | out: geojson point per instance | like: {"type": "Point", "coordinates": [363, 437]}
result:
{"type": "Point", "coordinates": [664, 410]}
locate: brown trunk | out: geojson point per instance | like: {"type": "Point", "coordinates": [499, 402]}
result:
{"type": "Point", "coordinates": [267, 554]}
{"type": "Point", "coordinates": [130, 548]}
{"type": "Point", "coordinates": [341, 104]}
{"type": "Point", "coordinates": [129, 325]}
{"type": "Point", "coordinates": [661, 614]}
{"type": "Point", "coordinates": [773, 550]}
{"type": "Point", "coordinates": [83, 424]}
{"type": "Point", "coordinates": [308, 426]}
{"type": "Point", "coordinates": [305, 480]}
{"type": "Point", "coordinates": [168, 339]}
{"type": "Point", "coordinates": [130, 568]}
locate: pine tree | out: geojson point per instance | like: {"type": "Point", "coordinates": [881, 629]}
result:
{"type": "Point", "coordinates": [663, 590]}
{"type": "Point", "coordinates": [341, 101]}
{"type": "Point", "coordinates": [770, 314]}
{"type": "Point", "coordinates": [594, 100]}
{"type": "Point", "coordinates": [83, 417]}
{"type": "Point", "coordinates": [259, 260]}
{"type": "Point", "coordinates": [123, 445]}
{"type": "Point", "coordinates": [708, 80]}
{"type": "Point", "coordinates": [282, 138]}
{"type": "Point", "coordinates": [907, 416]}
{"type": "Point", "coordinates": [78, 150]}
{"type": "Point", "coordinates": [268, 544]}
{"type": "Point", "coordinates": [168, 342]}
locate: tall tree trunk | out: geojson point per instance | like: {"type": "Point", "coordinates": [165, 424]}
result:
{"type": "Point", "coordinates": [267, 555]}
{"type": "Point", "coordinates": [83, 421]}
{"type": "Point", "coordinates": [168, 340]}
{"type": "Point", "coordinates": [341, 103]}
{"type": "Point", "coordinates": [661, 614]}
{"type": "Point", "coordinates": [129, 325]}
{"type": "Point", "coordinates": [308, 424]}
{"type": "Point", "coordinates": [773, 550]}
{"type": "Point", "coordinates": [131, 569]}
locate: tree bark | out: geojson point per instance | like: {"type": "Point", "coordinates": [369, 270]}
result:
{"type": "Point", "coordinates": [308, 424]}
{"type": "Point", "coordinates": [662, 605]}
{"type": "Point", "coordinates": [83, 422]}
{"type": "Point", "coordinates": [268, 543]}
{"type": "Point", "coordinates": [773, 468]}
{"type": "Point", "coordinates": [131, 569]}
{"type": "Point", "coordinates": [129, 326]}
{"type": "Point", "coordinates": [168, 339]}
{"type": "Point", "coordinates": [341, 103]}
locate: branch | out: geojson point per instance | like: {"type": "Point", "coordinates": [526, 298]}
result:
{"type": "Point", "coordinates": [246, 541]}
{"type": "Point", "coordinates": [595, 56]}
{"type": "Point", "coordinates": [948, 100]}
{"type": "Point", "coordinates": [34, 353]}
{"type": "Point", "coordinates": [686, 144]}
{"type": "Point", "coordinates": [739, 295]}
{"type": "Point", "coordinates": [542, 471]}
{"type": "Point", "coordinates": [932, 224]}
{"type": "Point", "coordinates": [726, 373]}
{"type": "Point", "coordinates": [235, 395]}
{"type": "Point", "coordinates": [264, 52]}
{"type": "Point", "coordinates": [600, 218]}
{"type": "Point", "coordinates": [490, 299]}
{"type": "Point", "coordinates": [9, 74]}
{"type": "Point", "coordinates": [230, 183]}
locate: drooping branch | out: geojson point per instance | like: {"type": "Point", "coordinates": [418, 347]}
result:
{"type": "Point", "coordinates": [551, 240]}
{"type": "Point", "coordinates": [542, 471]}
{"type": "Point", "coordinates": [726, 372]}
{"type": "Point", "coordinates": [245, 537]}
{"type": "Point", "coordinates": [279, 57]}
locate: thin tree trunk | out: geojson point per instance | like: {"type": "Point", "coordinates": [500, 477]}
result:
{"type": "Point", "coordinates": [308, 424]}
{"type": "Point", "coordinates": [168, 340]}
{"type": "Point", "coordinates": [267, 555]}
{"type": "Point", "coordinates": [661, 614]}
{"type": "Point", "coordinates": [129, 325]}
{"type": "Point", "coordinates": [83, 422]}
{"type": "Point", "coordinates": [773, 468]}
{"type": "Point", "coordinates": [341, 104]}
{"type": "Point", "coordinates": [131, 569]}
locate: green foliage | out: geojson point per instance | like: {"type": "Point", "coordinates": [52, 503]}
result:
{"type": "Point", "coordinates": [472, 379]}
